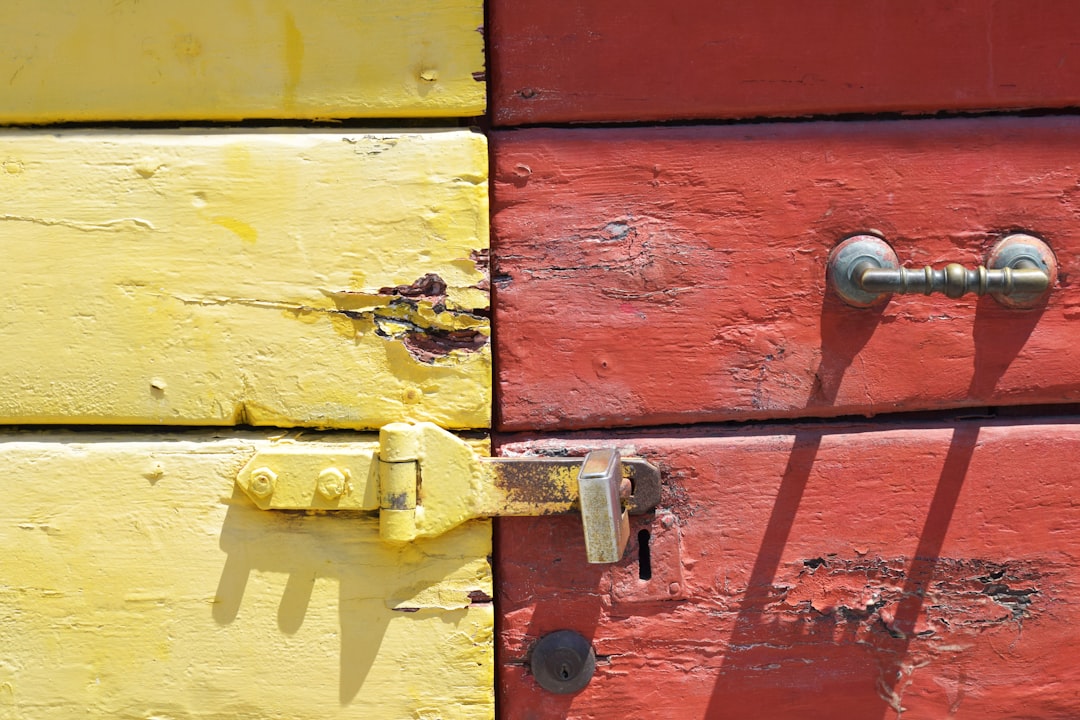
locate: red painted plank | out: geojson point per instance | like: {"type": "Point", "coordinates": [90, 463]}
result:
{"type": "Point", "coordinates": [674, 275]}
{"type": "Point", "coordinates": [633, 60]}
{"type": "Point", "coordinates": [825, 572]}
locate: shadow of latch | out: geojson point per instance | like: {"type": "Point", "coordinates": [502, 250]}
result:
{"type": "Point", "coordinates": [424, 481]}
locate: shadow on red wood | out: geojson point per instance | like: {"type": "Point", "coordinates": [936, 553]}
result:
{"type": "Point", "coordinates": [829, 571]}
{"type": "Point", "coordinates": [678, 275]}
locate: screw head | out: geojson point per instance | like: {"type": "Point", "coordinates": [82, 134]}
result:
{"type": "Point", "coordinates": [331, 483]}
{"type": "Point", "coordinates": [563, 662]}
{"type": "Point", "coordinates": [262, 482]}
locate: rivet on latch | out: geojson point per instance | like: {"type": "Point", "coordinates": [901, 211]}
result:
{"type": "Point", "coordinates": [262, 482]}
{"type": "Point", "coordinates": [563, 662]}
{"type": "Point", "coordinates": [332, 483]}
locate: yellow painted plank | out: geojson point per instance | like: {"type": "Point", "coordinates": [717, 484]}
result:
{"type": "Point", "coordinates": [268, 278]}
{"type": "Point", "coordinates": [91, 60]}
{"type": "Point", "coordinates": [138, 583]}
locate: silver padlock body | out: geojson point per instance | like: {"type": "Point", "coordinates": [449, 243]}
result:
{"type": "Point", "coordinates": [606, 525]}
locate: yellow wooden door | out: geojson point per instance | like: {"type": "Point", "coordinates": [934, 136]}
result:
{"type": "Point", "coordinates": [123, 60]}
{"type": "Point", "coordinates": [176, 299]}
{"type": "Point", "coordinates": [221, 277]}
{"type": "Point", "coordinates": [137, 582]}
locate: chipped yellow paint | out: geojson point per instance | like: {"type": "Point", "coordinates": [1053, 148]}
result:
{"type": "Point", "coordinates": [309, 278]}
{"type": "Point", "coordinates": [139, 582]}
{"type": "Point", "coordinates": [91, 60]}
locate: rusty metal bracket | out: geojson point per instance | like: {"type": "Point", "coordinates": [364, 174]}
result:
{"type": "Point", "coordinates": [425, 481]}
{"type": "Point", "coordinates": [528, 480]}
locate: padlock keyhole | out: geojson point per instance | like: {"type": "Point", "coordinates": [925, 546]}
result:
{"type": "Point", "coordinates": [564, 671]}
{"type": "Point", "coordinates": [644, 555]}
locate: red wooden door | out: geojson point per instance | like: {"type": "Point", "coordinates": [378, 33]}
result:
{"type": "Point", "coordinates": [678, 275]}
{"type": "Point", "coordinates": [571, 61]}
{"type": "Point", "coordinates": [922, 570]}
{"type": "Point", "coordinates": [891, 530]}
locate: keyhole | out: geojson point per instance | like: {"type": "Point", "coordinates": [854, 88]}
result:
{"type": "Point", "coordinates": [644, 556]}
{"type": "Point", "coordinates": [563, 662]}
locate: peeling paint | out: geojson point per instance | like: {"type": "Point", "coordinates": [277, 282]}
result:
{"type": "Point", "coordinates": [418, 315]}
{"type": "Point", "coordinates": [422, 318]}
{"type": "Point", "coordinates": [429, 286]}
{"type": "Point", "coordinates": [479, 597]}
{"type": "Point", "coordinates": [482, 260]}
{"type": "Point", "coordinates": [873, 592]}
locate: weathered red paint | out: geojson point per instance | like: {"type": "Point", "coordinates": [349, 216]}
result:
{"type": "Point", "coordinates": [677, 275]}
{"type": "Point", "coordinates": [827, 571]}
{"type": "Point", "coordinates": [637, 60]}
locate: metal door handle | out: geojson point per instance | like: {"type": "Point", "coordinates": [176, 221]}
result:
{"type": "Point", "coordinates": [1019, 271]}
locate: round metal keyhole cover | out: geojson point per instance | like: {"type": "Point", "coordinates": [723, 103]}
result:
{"type": "Point", "coordinates": [563, 662]}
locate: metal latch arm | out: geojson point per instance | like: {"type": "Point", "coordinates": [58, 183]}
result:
{"type": "Point", "coordinates": [424, 481]}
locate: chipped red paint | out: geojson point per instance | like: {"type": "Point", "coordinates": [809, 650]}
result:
{"type": "Point", "coordinates": [826, 571]}
{"type": "Point", "coordinates": [677, 275]}
{"type": "Point", "coordinates": [637, 60]}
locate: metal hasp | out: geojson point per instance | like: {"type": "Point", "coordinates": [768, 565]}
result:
{"type": "Point", "coordinates": [424, 481]}
{"type": "Point", "coordinates": [1019, 271]}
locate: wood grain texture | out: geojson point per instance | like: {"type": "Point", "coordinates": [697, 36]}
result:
{"type": "Point", "coordinates": [677, 275]}
{"type": "Point", "coordinates": [826, 572]}
{"type": "Point", "coordinates": [639, 60]}
{"type": "Point", "coordinates": [268, 278]}
{"type": "Point", "coordinates": [139, 582]}
{"type": "Point", "coordinates": [94, 60]}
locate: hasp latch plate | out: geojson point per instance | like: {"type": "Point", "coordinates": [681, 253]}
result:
{"type": "Point", "coordinates": [424, 481]}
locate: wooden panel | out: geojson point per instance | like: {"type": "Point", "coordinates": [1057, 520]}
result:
{"type": "Point", "coordinates": [277, 278]}
{"type": "Point", "coordinates": [825, 572]}
{"type": "Point", "coordinates": [138, 582]}
{"type": "Point", "coordinates": [632, 60]}
{"type": "Point", "coordinates": [673, 275]}
{"type": "Point", "coordinates": [90, 60]}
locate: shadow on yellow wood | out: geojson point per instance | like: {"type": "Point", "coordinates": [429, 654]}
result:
{"type": "Point", "coordinates": [146, 585]}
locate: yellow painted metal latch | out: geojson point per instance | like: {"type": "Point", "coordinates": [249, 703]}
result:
{"type": "Point", "coordinates": [424, 481]}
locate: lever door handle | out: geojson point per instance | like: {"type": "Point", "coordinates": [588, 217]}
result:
{"type": "Point", "coordinates": [1018, 273]}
